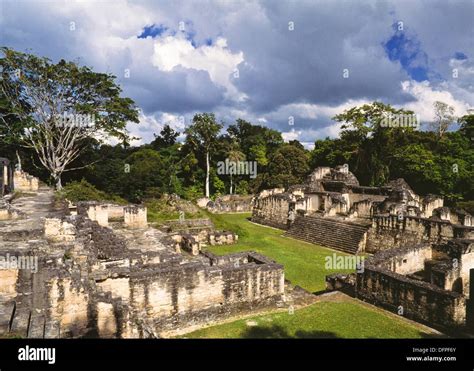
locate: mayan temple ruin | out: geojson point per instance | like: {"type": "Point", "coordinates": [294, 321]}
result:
{"type": "Point", "coordinates": [421, 253]}
{"type": "Point", "coordinates": [99, 270]}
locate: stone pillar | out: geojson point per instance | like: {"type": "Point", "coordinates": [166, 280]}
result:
{"type": "Point", "coordinates": [5, 175]}
{"type": "Point", "coordinates": [106, 320]}
{"type": "Point", "coordinates": [94, 211]}
{"type": "Point", "coordinates": [134, 216]}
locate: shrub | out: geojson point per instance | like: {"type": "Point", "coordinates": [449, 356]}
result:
{"type": "Point", "coordinates": [84, 191]}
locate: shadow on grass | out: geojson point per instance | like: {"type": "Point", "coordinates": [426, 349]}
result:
{"type": "Point", "coordinates": [278, 332]}
{"type": "Point", "coordinates": [425, 335]}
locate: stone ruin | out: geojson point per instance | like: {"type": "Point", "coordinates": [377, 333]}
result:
{"type": "Point", "coordinates": [228, 204]}
{"type": "Point", "coordinates": [331, 209]}
{"type": "Point", "coordinates": [100, 270]}
{"type": "Point", "coordinates": [430, 283]}
{"type": "Point", "coordinates": [423, 250]}
{"type": "Point", "coordinates": [193, 234]}
{"type": "Point", "coordinates": [13, 181]}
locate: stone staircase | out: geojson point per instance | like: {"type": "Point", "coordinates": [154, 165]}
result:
{"type": "Point", "coordinates": [23, 323]}
{"type": "Point", "coordinates": [341, 235]}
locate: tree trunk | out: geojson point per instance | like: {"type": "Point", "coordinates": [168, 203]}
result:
{"type": "Point", "coordinates": [207, 174]}
{"type": "Point", "coordinates": [19, 161]}
{"type": "Point", "coordinates": [57, 181]}
{"type": "Point", "coordinates": [230, 183]}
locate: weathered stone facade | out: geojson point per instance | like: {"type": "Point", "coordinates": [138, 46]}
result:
{"type": "Point", "coordinates": [391, 231]}
{"type": "Point", "coordinates": [372, 218]}
{"type": "Point", "coordinates": [229, 204]}
{"type": "Point", "coordinates": [429, 283]}
{"type": "Point", "coordinates": [23, 181]}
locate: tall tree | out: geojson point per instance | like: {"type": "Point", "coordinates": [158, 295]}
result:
{"type": "Point", "coordinates": [60, 106]}
{"type": "Point", "coordinates": [166, 138]}
{"type": "Point", "coordinates": [444, 117]}
{"type": "Point", "coordinates": [287, 166]}
{"type": "Point", "coordinates": [467, 125]}
{"type": "Point", "coordinates": [235, 155]}
{"type": "Point", "coordinates": [367, 140]}
{"type": "Point", "coordinates": [202, 135]}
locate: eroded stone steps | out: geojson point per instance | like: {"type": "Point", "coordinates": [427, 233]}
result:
{"type": "Point", "coordinates": [339, 235]}
{"type": "Point", "coordinates": [23, 323]}
{"type": "Point", "coordinates": [350, 246]}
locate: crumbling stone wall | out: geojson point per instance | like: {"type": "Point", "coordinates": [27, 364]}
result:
{"type": "Point", "coordinates": [391, 231]}
{"type": "Point", "coordinates": [273, 210]}
{"type": "Point", "coordinates": [175, 296]}
{"type": "Point", "coordinates": [23, 181]}
{"type": "Point", "coordinates": [392, 280]}
{"type": "Point", "coordinates": [231, 204]}
{"type": "Point", "coordinates": [193, 234]}
{"type": "Point", "coordinates": [417, 300]}
{"type": "Point", "coordinates": [454, 272]}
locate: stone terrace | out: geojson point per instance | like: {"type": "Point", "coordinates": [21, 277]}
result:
{"type": "Point", "coordinates": [119, 278]}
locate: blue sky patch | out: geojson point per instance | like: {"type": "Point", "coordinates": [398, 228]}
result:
{"type": "Point", "coordinates": [460, 56]}
{"type": "Point", "coordinates": [152, 31]}
{"type": "Point", "coordinates": [408, 52]}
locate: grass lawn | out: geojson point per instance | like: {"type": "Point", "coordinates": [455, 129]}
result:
{"type": "Point", "coordinates": [304, 263]}
{"type": "Point", "coordinates": [326, 319]}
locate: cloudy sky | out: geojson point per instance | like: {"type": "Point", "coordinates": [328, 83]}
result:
{"type": "Point", "coordinates": [264, 61]}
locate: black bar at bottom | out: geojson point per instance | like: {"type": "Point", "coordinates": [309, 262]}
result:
{"type": "Point", "coordinates": [451, 354]}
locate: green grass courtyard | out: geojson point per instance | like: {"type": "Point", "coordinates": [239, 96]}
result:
{"type": "Point", "coordinates": [304, 262]}
{"type": "Point", "coordinates": [304, 266]}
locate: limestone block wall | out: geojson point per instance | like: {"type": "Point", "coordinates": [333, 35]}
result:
{"type": "Point", "coordinates": [418, 300]}
{"type": "Point", "coordinates": [443, 274]}
{"type": "Point", "coordinates": [270, 192]}
{"type": "Point", "coordinates": [388, 232]}
{"type": "Point", "coordinates": [23, 181]}
{"type": "Point", "coordinates": [313, 202]}
{"type": "Point", "coordinates": [409, 260]}
{"type": "Point", "coordinates": [272, 211]}
{"type": "Point", "coordinates": [173, 297]}
{"type": "Point", "coordinates": [4, 175]}
{"type": "Point", "coordinates": [231, 204]}
{"type": "Point", "coordinates": [107, 324]}
{"type": "Point", "coordinates": [430, 203]}
{"type": "Point", "coordinates": [4, 214]}
{"type": "Point", "coordinates": [461, 255]}
{"type": "Point", "coordinates": [8, 279]}
{"type": "Point", "coordinates": [361, 209]}
{"type": "Point", "coordinates": [7, 212]}
{"type": "Point", "coordinates": [460, 217]}
{"type": "Point", "coordinates": [188, 225]}
{"type": "Point", "coordinates": [94, 211]}
{"type": "Point", "coordinates": [467, 265]}
{"type": "Point", "coordinates": [69, 305]}
{"type": "Point", "coordinates": [135, 216]}
{"type": "Point", "coordinates": [56, 230]}
{"type": "Point", "coordinates": [358, 197]}
{"type": "Point", "coordinates": [115, 211]}
{"type": "Point", "coordinates": [53, 292]}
